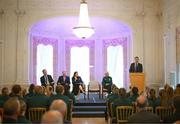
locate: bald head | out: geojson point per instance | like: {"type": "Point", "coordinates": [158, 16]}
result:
{"type": "Point", "coordinates": [141, 101]}
{"type": "Point", "coordinates": [59, 105]}
{"type": "Point", "coordinates": [52, 117]}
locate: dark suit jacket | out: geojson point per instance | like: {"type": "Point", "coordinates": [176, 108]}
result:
{"type": "Point", "coordinates": [50, 79]}
{"type": "Point", "coordinates": [144, 117]}
{"type": "Point", "coordinates": [138, 69]}
{"type": "Point", "coordinates": [62, 81]}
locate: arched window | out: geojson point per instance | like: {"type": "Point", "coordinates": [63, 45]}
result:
{"type": "Point", "coordinates": [44, 60]}
{"type": "Point", "coordinates": [115, 64]}
{"type": "Point", "coordinates": [44, 56]}
{"type": "Point", "coordinates": [80, 62]}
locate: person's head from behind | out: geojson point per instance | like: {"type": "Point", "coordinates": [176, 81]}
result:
{"type": "Point", "coordinates": [12, 107]}
{"type": "Point", "coordinates": [31, 88]}
{"type": "Point", "coordinates": [60, 89]}
{"type": "Point", "coordinates": [17, 90]}
{"type": "Point", "coordinates": [178, 86]}
{"type": "Point", "coordinates": [152, 93]}
{"type": "Point", "coordinates": [106, 74]}
{"type": "Point", "coordinates": [64, 73]}
{"type": "Point", "coordinates": [177, 91]}
{"type": "Point", "coordinates": [176, 102]}
{"type": "Point", "coordinates": [52, 117]}
{"type": "Point", "coordinates": [135, 90]}
{"type": "Point", "coordinates": [44, 71]}
{"type": "Point", "coordinates": [122, 92]}
{"type": "Point", "coordinates": [141, 102]}
{"type": "Point", "coordinates": [5, 91]}
{"type": "Point", "coordinates": [75, 74]}
{"type": "Point", "coordinates": [115, 90]}
{"type": "Point", "coordinates": [23, 107]}
{"type": "Point", "coordinates": [136, 59]}
{"type": "Point", "coordinates": [38, 90]}
{"type": "Point", "coordinates": [60, 106]}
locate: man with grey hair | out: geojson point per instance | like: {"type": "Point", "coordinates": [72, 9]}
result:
{"type": "Point", "coordinates": [52, 117]}
{"type": "Point", "coordinates": [143, 116]}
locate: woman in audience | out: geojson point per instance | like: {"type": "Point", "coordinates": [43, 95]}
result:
{"type": "Point", "coordinates": [153, 101]}
{"type": "Point", "coordinates": [77, 84]}
{"type": "Point", "coordinates": [134, 95]}
{"type": "Point", "coordinates": [49, 91]}
{"type": "Point", "coordinates": [163, 98]}
{"type": "Point", "coordinates": [31, 91]}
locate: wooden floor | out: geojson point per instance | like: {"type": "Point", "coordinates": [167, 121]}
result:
{"type": "Point", "coordinates": [88, 121]}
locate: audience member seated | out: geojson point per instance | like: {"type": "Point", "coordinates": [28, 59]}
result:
{"type": "Point", "coordinates": [164, 99]}
{"type": "Point", "coordinates": [11, 110]}
{"type": "Point", "coordinates": [153, 101]}
{"type": "Point", "coordinates": [143, 116]}
{"type": "Point", "coordinates": [60, 106]}
{"type": "Point", "coordinates": [4, 96]}
{"type": "Point", "coordinates": [64, 80]}
{"type": "Point", "coordinates": [121, 101]}
{"type": "Point", "coordinates": [176, 116]}
{"type": "Point", "coordinates": [21, 116]}
{"type": "Point", "coordinates": [170, 94]}
{"type": "Point", "coordinates": [49, 91]}
{"type": "Point", "coordinates": [16, 91]}
{"type": "Point", "coordinates": [107, 82]}
{"type": "Point", "coordinates": [59, 95]}
{"type": "Point", "coordinates": [177, 91]}
{"type": "Point", "coordinates": [38, 100]}
{"type": "Point", "coordinates": [30, 91]}
{"type": "Point", "coordinates": [52, 117]}
{"type": "Point", "coordinates": [114, 95]}
{"type": "Point", "coordinates": [134, 94]}
{"type": "Point", "coordinates": [78, 85]}
{"type": "Point", "coordinates": [178, 86]}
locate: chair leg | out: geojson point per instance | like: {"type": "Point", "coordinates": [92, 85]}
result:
{"type": "Point", "coordinates": [88, 95]}
{"type": "Point", "coordinates": [102, 94]}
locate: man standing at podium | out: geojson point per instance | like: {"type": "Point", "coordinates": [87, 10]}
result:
{"type": "Point", "coordinates": [136, 67]}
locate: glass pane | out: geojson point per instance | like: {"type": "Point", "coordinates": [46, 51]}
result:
{"type": "Point", "coordinates": [115, 64]}
{"type": "Point", "coordinates": [44, 60]}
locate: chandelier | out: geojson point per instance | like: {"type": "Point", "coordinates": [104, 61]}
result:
{"type": "Point", "coordinates": [84, 28]}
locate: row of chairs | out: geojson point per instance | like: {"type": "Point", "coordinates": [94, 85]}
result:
{"type": "Point", "coordinates": [124, 112]}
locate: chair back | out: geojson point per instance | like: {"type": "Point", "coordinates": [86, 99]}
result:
{"type": "Point", "coordinates": [123, 113]}
{"type": "Point", "coordinates": [93, 85]}
{"type": "Point", "coordinates": [163, 112]}
{"type": "Point", "coordinates": [35, 114]}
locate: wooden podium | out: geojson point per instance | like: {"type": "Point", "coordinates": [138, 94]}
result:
{"type": "Point", "coordinates": [137, 79]}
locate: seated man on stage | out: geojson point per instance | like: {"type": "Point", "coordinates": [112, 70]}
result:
{"type": "Point", "coordinates": [136, 66]}
{"type": "Point", "coordinates": [107, 82]}
{"type": "Point", "coordinates": [64, 80]}
{"type": "Point", "coordinates": [46, 79]}
{"type": "Point", "coordinates": [77, 84]}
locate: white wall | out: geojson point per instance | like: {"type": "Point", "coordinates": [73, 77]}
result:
{"type": "Point", "coordinates": [141, 15]}
{"type": "Point", "coordinates": [171, 20]}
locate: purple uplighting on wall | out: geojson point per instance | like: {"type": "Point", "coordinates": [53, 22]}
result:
{"type": "Point", "coordinates": [108, 31]}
